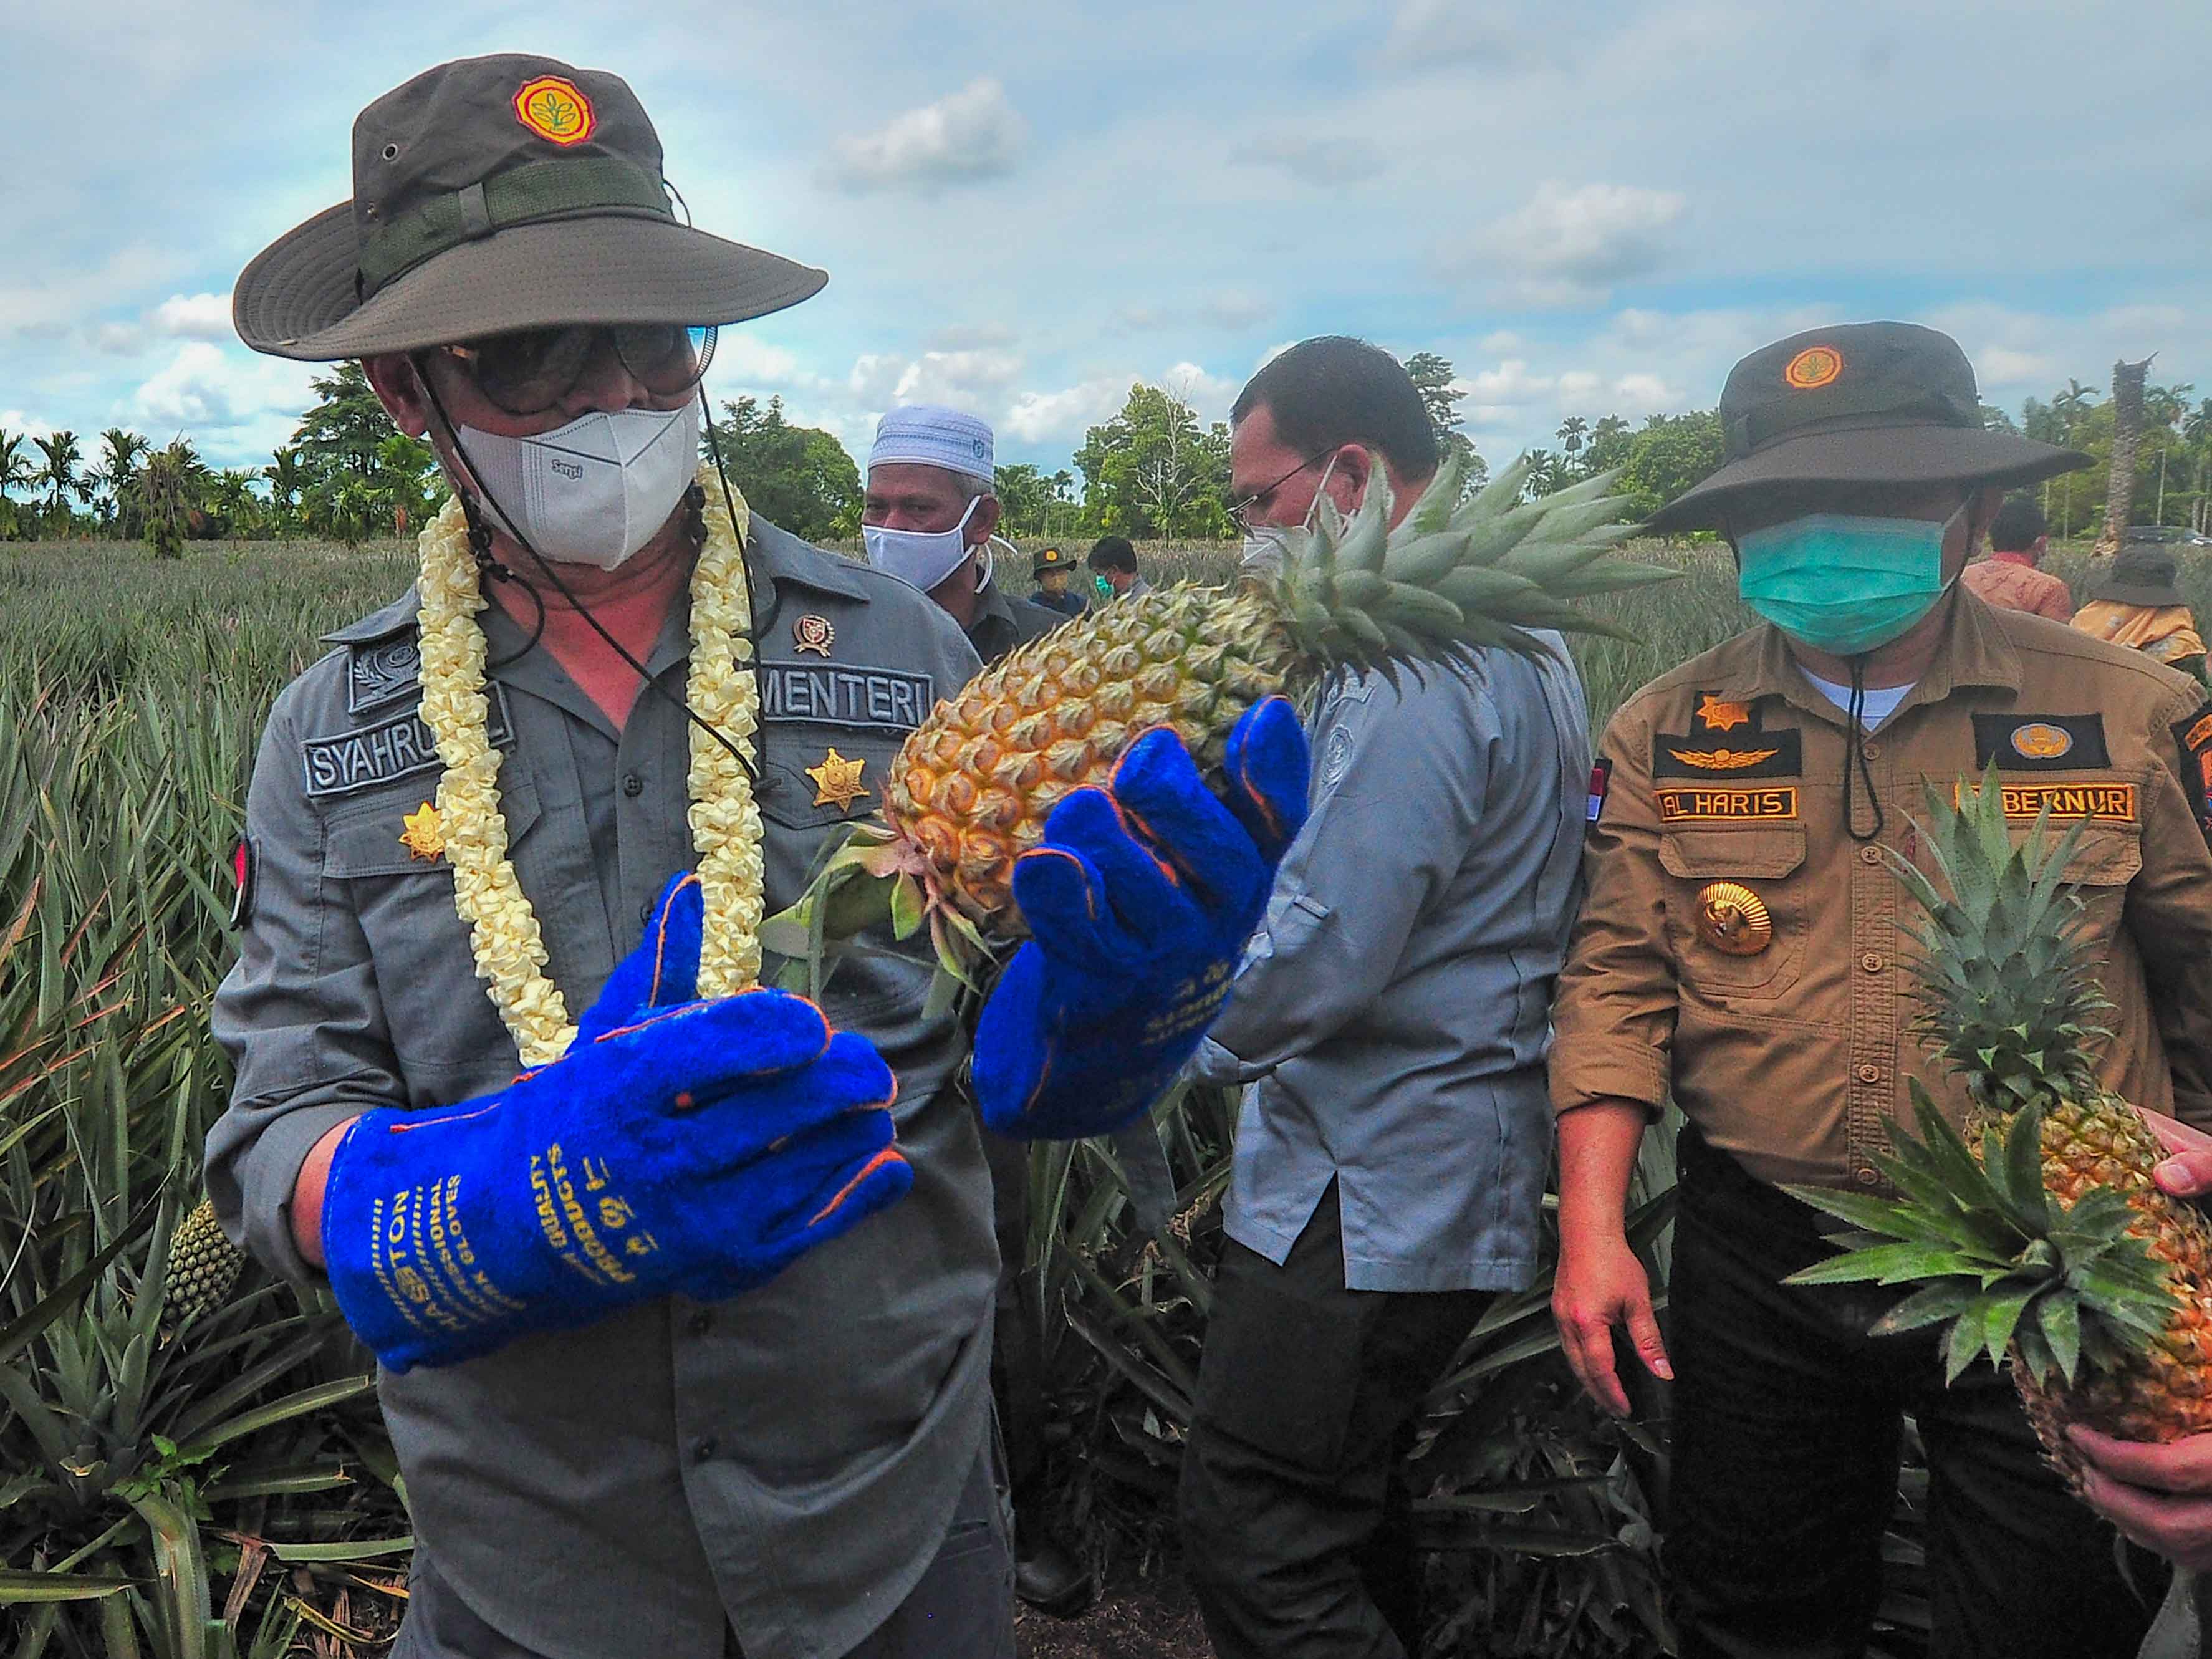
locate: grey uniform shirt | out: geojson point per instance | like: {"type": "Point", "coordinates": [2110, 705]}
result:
{"type": "Point", "coordinates": [1394, 1007]}
{"type": "Point", "coordinates": [788, 1459]}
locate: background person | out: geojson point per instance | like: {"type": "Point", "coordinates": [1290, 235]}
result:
{"type": "Point", "coordinates": [929, 516]}
{"type": "Point", "coordinates": [2012, 576]}
{"type": "Point", "coordinates": [1740, 952]}
{"type": "Point", "coordinates": [1391, 1158]}
{"type": "Point", "coordinates": [2135, 603]}
{"type": "Point", "coordinates": [1113, 561]}
{"type": "Point", "coordinates": [679, 1286]}
{"type": "Point", "coordinates": [1053, 570]}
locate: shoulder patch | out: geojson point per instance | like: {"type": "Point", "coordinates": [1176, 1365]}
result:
{"type": "Point", "coordinates": [861, 699]}
{"type": "Point", "coordinates": [2040, 743]}
{"type": "Point", "coordinates": [1600, 785]}
{"type": "Point", "coordinates": [2195, 737]}
{"type": "Point", "coordinates": [1755, 754]}
{"type": "Point", "coordinates": [397, 748]}
{"type": "Point", "coordinates": [244, 871]}
{"type": "Point", "coordinates": [381, 672]}
{"type": "Point", "coordinates": [1718, 713]}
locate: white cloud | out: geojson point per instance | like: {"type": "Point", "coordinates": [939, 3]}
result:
{"type": "Point", "coordinates": [205, 388]}
{"type": "Point", "coordinates": [118, 339]}
{"type": "Point", "coordinates": [196, 317]}
{"type": "Point", "coordinates": [1568, 244]}
{"type": "Point", "coordinates": [1237, 308]}
{"type": "Point", "coordinates": [970, 380]}
{"type": "Point", "coordinates": [14, 422]}
{"type": "Point", "coordinates": [1645, 393]}
{"type": "Point", "coordinates": [741, 355]}
{"type": "Point", "coordinates": [974, 134]}
{"type": "Point", "coordinates": [1508, 385]}
{"type": "Point", "coordinates": [1501, 341]}
{"type": "Point", "coordinates": [1431, 32]}
{"type": "Point", "coordinates": [2001, 366]}
{"type": "Point", "coordinates": [1061, 416]}
{"type": "Point", "coordinates": [1578, 385]}
{"type": "Point", "coordinates": [1313, 158]}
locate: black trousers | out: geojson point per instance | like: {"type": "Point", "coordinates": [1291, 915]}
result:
{"type": "Point", "coordinates": [1017, 1334]}
{"type": "Point", "coordinates": [1296, 1535]}
{"type": "Point", "coordinates": [1787, 1423]}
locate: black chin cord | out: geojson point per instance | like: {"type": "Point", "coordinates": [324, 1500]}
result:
{"type": "Point", "coordinates": [1855, 758]}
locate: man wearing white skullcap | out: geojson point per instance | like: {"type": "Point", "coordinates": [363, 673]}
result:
{"type": "Point", "coordinates": [928, 519]}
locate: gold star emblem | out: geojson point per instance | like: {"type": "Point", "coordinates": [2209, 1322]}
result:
{"type": "Point", "coordinates": [425, 837]}
{"type": "Point", "coordinates": [837, 781]}
{"type": "Point", "coordinates": [1719, 714]}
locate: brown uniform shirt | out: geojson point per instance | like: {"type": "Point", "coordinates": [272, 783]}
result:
{"type": "Point", "coordinates": [1730, 770]}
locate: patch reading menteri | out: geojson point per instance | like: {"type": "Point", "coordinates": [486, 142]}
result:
{"type": "Point", "coordinates": [2100, 803]}
{"type": "Point", "coordinates": [1694, 805]}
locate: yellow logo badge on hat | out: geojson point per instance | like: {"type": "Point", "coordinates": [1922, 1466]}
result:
{"type": "Point", "coordinates": [2038, 741]}
{"type": "Point", "coordinates": [552, 108]}
{"type": "Point", "coordinates": [1813, 367]}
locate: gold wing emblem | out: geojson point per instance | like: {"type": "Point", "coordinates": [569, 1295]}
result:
{"type": "Point", "coordinates": [1722, 760]}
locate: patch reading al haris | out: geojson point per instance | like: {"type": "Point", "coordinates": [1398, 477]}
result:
{"type": "Point", "coordinates": [1691, 804]}
{"type": "Point", "coordinates": [2040, 743]}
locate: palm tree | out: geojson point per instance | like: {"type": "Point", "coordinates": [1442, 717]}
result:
{"type": "Point", "coordinates": [287, 480]}
{"type": "Point", "coordinates": [1572, 432]}
{"type": "Point", "coordinates": [2071, 406]}
{"type": "Point", "coordinates": [60, 476]}
{"type": "Point", "coordinates": [120, 452]}
{"type": "Point", "coordinates": [15, 473]}
{"type": "Point", "coordinates": [169, 488]}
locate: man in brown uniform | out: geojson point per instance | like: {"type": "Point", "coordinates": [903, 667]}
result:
{"type": "Point", "coordinates": [1740, 949]}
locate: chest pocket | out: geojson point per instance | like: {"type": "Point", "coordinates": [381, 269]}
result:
{"type": "Point", "coordinates": [1767, 861]}
{"type": "Point", "coordinates": [438, 1016]}
{"type": "Point", "coordinates": [2105, 860]}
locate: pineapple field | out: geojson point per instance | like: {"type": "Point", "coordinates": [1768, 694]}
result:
{"type": "Point", "coordinates": [191, 1466]}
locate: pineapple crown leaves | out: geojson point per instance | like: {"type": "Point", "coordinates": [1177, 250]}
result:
{"type": "Point", "coordinates": [2008, 987]}
{"type": "Point", "coordinates": [1994, 1254]}
{"type": "Point", "coordinates": [1479, 572]}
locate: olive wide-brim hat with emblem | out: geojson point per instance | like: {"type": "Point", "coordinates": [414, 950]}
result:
{"type": "Point", "coordinates": [493, 194]}
{"type": "Point", "coordinates": [1863, 402]}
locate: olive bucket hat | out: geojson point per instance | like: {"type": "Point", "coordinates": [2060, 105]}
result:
{"type": "Point", "coordinates": [495, 194]}
{"type": "Point", "coordinates": [1863, 402]}
{"type": "Point", "coordinates": [2140, 574]}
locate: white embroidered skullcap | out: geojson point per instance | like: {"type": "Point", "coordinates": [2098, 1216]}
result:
{"type": "Point", "coordinates": [928, 435]}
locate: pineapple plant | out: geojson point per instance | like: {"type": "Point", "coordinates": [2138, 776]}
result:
{"type": "Point", "coordinates": [973, 784]}
{"type": "Point", "coordinates": [204, 1268]}
{"type": "Point", "coordinates": [2038, 1234]}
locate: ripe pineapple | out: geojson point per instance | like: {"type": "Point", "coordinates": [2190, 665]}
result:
{"type": "Point", "coordinates": [2045, 1238]}
{"type": "Point", "coordinates": [204, 1265]}
{"type": "Point", "coordinates": [972, 787]}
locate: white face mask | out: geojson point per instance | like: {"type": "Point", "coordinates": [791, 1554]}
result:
{"type": "Point", "coordinates": [593, 491]}
{"type": "Point", "coordinates": [1267, 548]}
{"type": "Point", "coordinates": [922, 557]}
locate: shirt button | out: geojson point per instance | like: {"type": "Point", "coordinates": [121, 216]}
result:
{"type": "Point", "coordinates": [703, 1449]}
{"type": "Point", "coordinates": [1871, 961]}
{"type": "Point", "coordinates": [1869, 1073]}
{"type": "Point", "coordinates": [701, 1322]}
{"type": "Point", "coordinates": [1870, 855]}
{"type": "Point", "coordinates": [645, 913]}
{"type": "Point", "coordinates": [633, 785]}
{"type": "Point", "coordinates": [1864, 1178]}
{"type": "Point", "coordinates": [1871, 751]}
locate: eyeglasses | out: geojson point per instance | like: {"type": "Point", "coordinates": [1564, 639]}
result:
{"type": "Point", "coordinates": [1240, 512]}
{"type": "Point", "coordinates": [530, 371]}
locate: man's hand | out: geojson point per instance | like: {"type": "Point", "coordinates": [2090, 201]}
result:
{"type": "Point", "coordinates": [1138, 903]}
{"type": "Point", "coordinates": [2187, 1171]}
{"type": "Point", "coordinates": [678, 1146]}
{"type": "Point", "coordinates": [2160, 1496]}
{"type": "Point", "coordinates": [1601, 1284]}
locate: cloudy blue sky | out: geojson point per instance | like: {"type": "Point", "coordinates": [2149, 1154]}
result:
{"type": "Point", "coordinates": [1590, 209]}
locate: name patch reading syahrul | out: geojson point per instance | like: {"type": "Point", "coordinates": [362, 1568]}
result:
{"type": "Point", "coordinates": [396, 749]}
{"type": "Point", "coordinates": [2100, 803]}
{"type": "Point", "coordinates": [830, 694]}
{"type": "Point", "coordinates": [2040, 743]}
{"type": "Point", "coordinates": [1683, 803]}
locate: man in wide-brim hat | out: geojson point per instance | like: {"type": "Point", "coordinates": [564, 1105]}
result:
{"type": "Point", "coordinates": [681, 1287]}
{"type": "Point", "coordinates": [1740, 954]}
{"type": "Point", "coordinates": [2136, 603]}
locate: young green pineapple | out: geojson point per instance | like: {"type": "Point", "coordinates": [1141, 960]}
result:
{"type": "Point", "coordinates": [2039, 1233]}
{"type": "Point", "coordinates": [971, 789]}
{"type": "Point", "coordinates": [203, 1267]}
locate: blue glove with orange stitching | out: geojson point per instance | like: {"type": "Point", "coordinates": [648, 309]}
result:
{"type": "Point", "coordinates": [678, 1146]}
{"type": "Point", "coordinates": [1139, 901]}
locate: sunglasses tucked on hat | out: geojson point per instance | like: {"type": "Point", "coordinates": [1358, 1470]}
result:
{"type": "Point", "coordinates": [495, 194]}
{"type": "Point", "coordinates": [2139, 575]}
{"type": "Point", "coordinates": [1864, 402]}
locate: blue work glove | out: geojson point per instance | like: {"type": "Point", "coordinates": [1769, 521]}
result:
{"type": "Point", "coordinates": [678, 1146]}
{"type": "Point", "coordinates": [1138, 903]}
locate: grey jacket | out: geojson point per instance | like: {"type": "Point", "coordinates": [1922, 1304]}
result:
{"type": "Point", "coordinates": [788, 1459]}
{"type": "Point", "coordinates": [1392, 1011]}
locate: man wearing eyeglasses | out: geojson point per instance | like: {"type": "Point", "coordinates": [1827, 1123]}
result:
{"type": "Point", "coordinates": [681, 1299]}
{"type": "Point", "coordinates": [1390, 1161]}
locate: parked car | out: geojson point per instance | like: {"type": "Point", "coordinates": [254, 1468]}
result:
{"type": "Point", "coordinates": [2166, 535]}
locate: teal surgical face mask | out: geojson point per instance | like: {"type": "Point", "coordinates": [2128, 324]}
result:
{"type": "Point", "coordinates": [1841, 583]}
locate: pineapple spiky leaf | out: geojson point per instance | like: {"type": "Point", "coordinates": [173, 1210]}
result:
{"type": "Point", "coordinates": [1996, 1260]}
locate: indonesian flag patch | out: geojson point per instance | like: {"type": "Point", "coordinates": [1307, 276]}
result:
{"type": "Point", "coordinates": [243, 871]}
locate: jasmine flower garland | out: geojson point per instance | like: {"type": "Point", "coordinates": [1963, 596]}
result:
{"type": "Point", "coordinates": [725, 821]}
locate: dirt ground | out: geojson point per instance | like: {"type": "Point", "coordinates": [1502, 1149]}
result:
{"type": "Point", "coordinates": [1144, 1618]}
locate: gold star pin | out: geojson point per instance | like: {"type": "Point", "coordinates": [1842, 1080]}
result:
{"type": "Point", "coordinates": [837, 781]}
{"type": "Point", "coordinates": [425, 837]}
